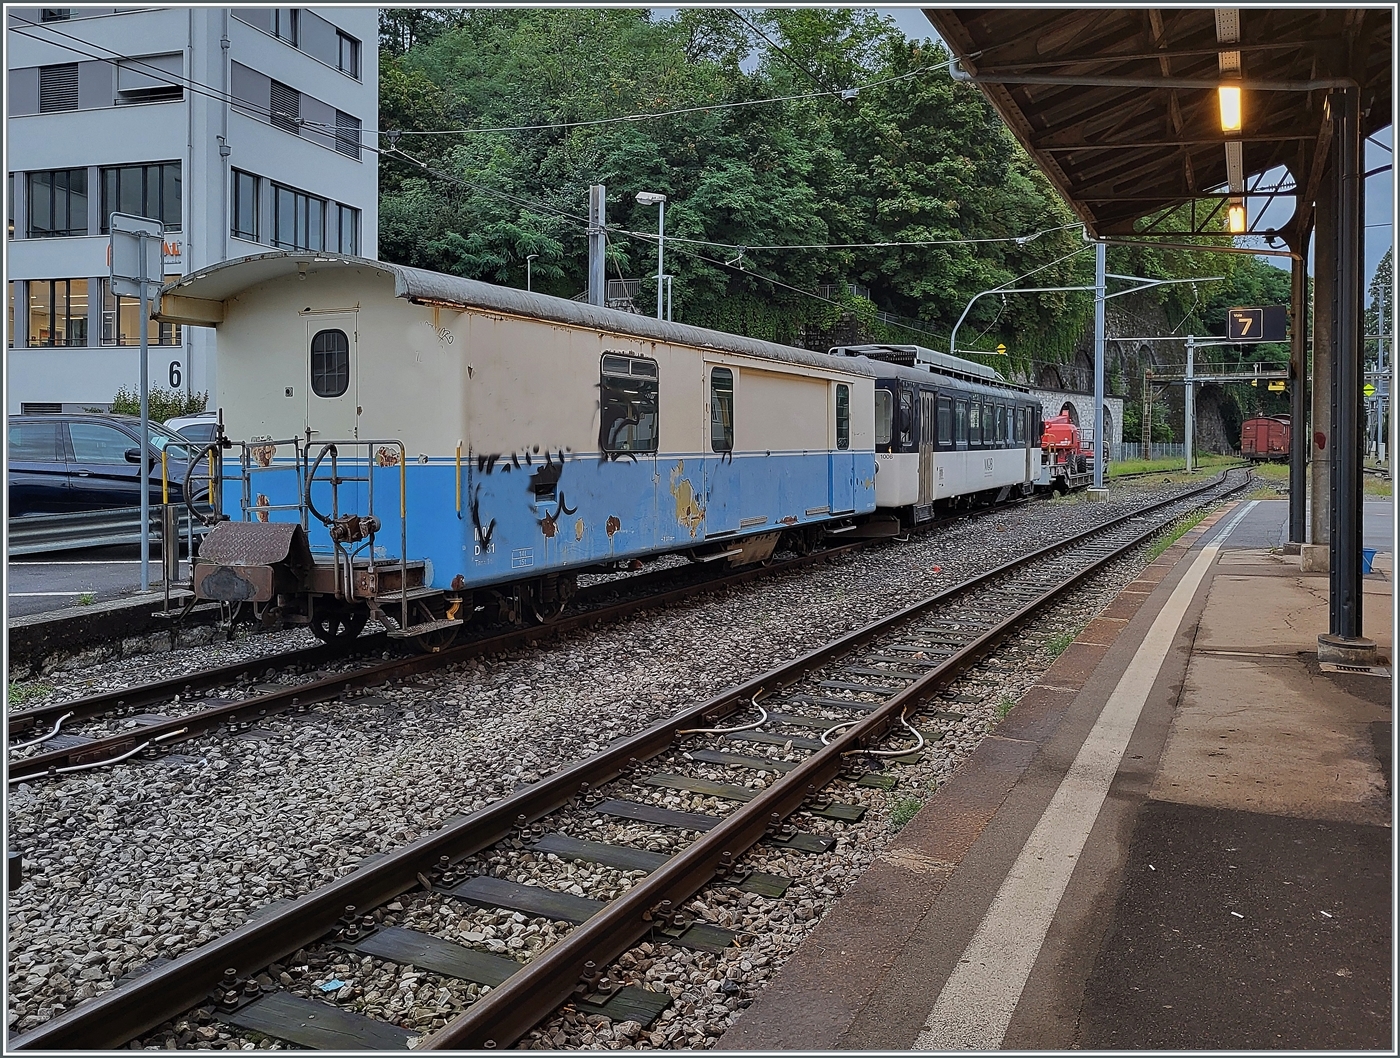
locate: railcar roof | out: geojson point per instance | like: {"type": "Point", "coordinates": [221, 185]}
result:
{"type": "Point", "coordinates": [210, 287]}
{"type": "Point", "coordinates": [883, 369]}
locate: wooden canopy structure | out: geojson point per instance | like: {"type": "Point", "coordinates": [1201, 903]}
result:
{"type": "Point", "coordinates": [1149, 121]}
{"type": "Point", "coordinates": [1119, 106]}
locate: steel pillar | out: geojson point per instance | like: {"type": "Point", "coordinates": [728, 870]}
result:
{"type": "Point", "coordinates": [1190, 402]}
{"type": "Point", "coordinates": [1344, 559]}
{"type": "Point", "coordinates": [1298, 398]}
{"type": "Point", "coordinates": [597, 244]}
{"type": "Point", "coordinates": [1324, 291]}
{"type": "Point", "coordinates": [1100, 285]}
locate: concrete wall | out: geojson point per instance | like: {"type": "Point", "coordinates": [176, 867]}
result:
{"type": "Point", "coordinates": [1052, 400]}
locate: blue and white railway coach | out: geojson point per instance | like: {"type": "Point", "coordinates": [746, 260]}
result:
{"type": "Point", "coordinates": [448, 446]}
{"type": "Point", "coordinates": [947, 431]}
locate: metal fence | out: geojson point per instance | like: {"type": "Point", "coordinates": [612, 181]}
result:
{"type": "Point", "coordinates": [37, 534]}
{"type": "Point", "coordinates": [1127, 450]}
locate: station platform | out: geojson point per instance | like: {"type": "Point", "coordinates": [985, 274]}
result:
{"type": "Point", "coordinates": [1180, 838]}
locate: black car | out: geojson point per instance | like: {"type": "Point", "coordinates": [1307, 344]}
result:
{"type": "Point", "coordinates": [90, 463]}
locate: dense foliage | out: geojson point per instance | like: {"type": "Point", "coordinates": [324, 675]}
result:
{"type": "Point", "coordinates": [913, 157]}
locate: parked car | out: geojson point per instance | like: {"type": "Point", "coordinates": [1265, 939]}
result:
{"type": "Point", "coordinates": [198, 428]}
{"type": "Point", "coordinates": [91, 462]}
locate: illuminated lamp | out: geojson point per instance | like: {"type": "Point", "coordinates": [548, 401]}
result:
{"type": "Point", "coordinates": [1231, 109]}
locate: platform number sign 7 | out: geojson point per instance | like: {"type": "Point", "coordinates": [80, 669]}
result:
{"type": "Point", "coordinates": [1267, 324]}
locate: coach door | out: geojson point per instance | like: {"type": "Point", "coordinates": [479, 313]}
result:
{"type": "Point", "coordinates": [1024, 429]}
{"type": "Point", "coordinates": [842, 460]}
{"type": "Point", "coordinates": [927, 424]}
{"type": "Point", "coordinates": [332, 390]}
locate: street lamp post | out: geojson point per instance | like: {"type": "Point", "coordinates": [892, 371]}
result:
{"type": "Point", "coordinates": [653, 198]}
{"type": "Point", "coordinates": [528, 277]}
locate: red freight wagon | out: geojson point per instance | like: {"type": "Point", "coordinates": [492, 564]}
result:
{"type": "Point", "coordinates": [1265, 438]}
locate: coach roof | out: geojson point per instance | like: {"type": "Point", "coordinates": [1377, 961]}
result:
{"type": "Point", "coordinates": [198, 299]}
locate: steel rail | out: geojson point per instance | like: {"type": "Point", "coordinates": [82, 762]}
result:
{"type": "Point", "coordinates": [118, 1016]}
{"type": "Point", "coordinates": [301, 696]}
{"type": "Point", "coordinates": [21, 720]}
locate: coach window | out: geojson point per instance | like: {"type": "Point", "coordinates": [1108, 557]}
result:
{"type": "Point", "coordinates": [1001, 424]}
{"type": "Point", "coordinates": [945, 423]}
{"type": "Point", "coordinates": [906, 417]}
{"type": "Point", "coordinates": [629, 405]}
{"type": "Point", "coordinates": [330, 363]}
{"type": "Point", "coordinates": [1018, 427]}
{"type": "Point", "coordinates": [843, 416]}
{"type": "Point", "coordinates": [960, 423]}
{"type": "Point", "coordinates": [974, 423]}
{"type": "Point", "coordinates": [722, 409]}
{"type": "Point", "coordinates": [884, 416]}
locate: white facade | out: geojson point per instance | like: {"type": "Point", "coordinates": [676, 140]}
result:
{"type": "Point", "coordinates": [144, 108]}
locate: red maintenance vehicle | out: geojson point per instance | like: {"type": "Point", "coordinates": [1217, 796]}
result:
{"type": "Point", "coordinates": [1066, 456]}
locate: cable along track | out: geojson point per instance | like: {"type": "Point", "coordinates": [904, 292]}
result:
{"type": "Point", "coordinates": [850, 693]}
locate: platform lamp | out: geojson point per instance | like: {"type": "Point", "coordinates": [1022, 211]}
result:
{"type": "Point", "coordinates": [1232, 123]}
{"type": "Point", "coordinates": [528, 277]}
{"type": "Point", "coordinates": [654, 198]}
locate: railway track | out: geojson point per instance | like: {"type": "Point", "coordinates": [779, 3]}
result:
{"type": "Point", "coordinates": [155, 732]}
{"type": "Point", "coordinates": [788, 735]}
{"type": "Point", "coordinates": [152, 733]}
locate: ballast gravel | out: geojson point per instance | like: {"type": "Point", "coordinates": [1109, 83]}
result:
{"type": "Point", "coordinates": [146, 861]}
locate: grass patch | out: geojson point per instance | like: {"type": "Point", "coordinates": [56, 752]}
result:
{"type": "Point", "coordinates": [1174, 534]}
{"type": "Point", "coordinates": [1057, 645]}
{"type": "Point", "coordinates": [1374, 486]}
{"type": "Point", "coordinates": [87, 598]}
{"type": "Point", "coordinates": [1167, 466]}
{"type": "Point", "coordinates": [905, 809]}
{"type": "Point", "coordinates": [20, 693]}
{"type": "Point", "coordinates": [1006, 703]}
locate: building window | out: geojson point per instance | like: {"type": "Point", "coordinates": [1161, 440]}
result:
{"type": "Point", "coordinates": [121, 320]}
{"type": "Point", "coordinates": [349, 229]}
{"type": "Point", "coordinates": [843, 416]}
{"type": "Point", "coordinates": [10, 206]}
{"type": "Point", "coordinates": [299, 219]}
{"type": "Point", "coordinates": [58, 88]}
{"type": "Point", "coordinates": [630, 404]}
{"type": "Point", "coordinates": [153, 79]}
{"type": "Point", "coordinates": [245, 206]}
{"type": "Point", "coordinates": [58, 203]}
{"type": "Point", "coordinates": [58, 311]}
{"type": "Point", "coordinates": [347, 135]}
{"type": "Point", "coordinates": [349, 54]}
{"type": "Point", "coordinates": [142, 191]}
{"type": "Point", "coordinates": [10, 329]}
{"type": "Point", "coordinates": [55, 14]}
{"type": "Point", "coordinates": [721, 409]}
{"type": "Point", "coordinates": [284, 24]}
{"type": "Point", "coordinates": [330, 363]}
{"type": "Point", "coordinates": [286, 108]}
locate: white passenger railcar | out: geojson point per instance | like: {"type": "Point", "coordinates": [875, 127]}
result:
{"type": "Point", "coordinates": [446, 445]}
{"type": "Point", "coordinates": [947, 431]}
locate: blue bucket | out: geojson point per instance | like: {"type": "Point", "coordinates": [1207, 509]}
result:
{"type": "Point", "coordinates": [1368, 555]}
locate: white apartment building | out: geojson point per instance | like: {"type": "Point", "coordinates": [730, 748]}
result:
{"type": "Point", "coordinates": [239, 128]}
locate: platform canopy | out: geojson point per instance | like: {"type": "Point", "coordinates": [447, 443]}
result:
{"type": "Point", "coordinates": [1121, 108]}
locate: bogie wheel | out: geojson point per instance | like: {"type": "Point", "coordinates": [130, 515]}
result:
{"type": "Point", "coordinates": [333, 625]}
{"type": "Point", "coordinates": [547, 597]}
{"type": "Point", "coordinates": [438, 640]}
